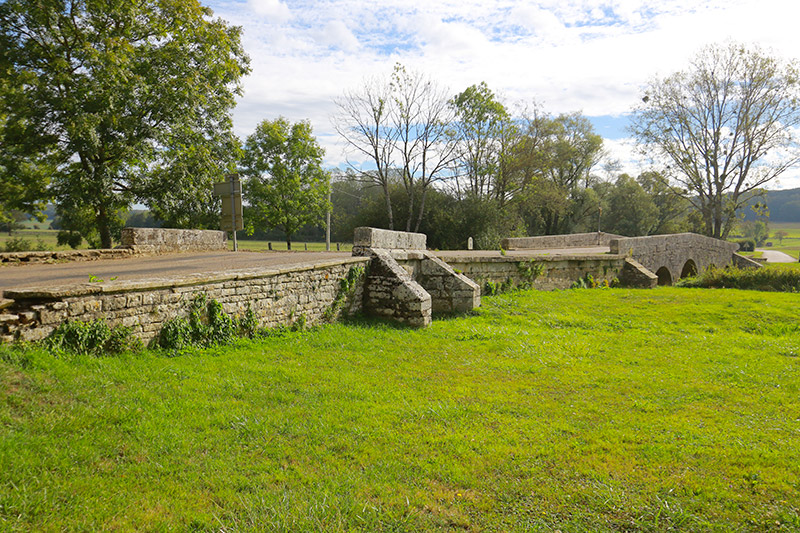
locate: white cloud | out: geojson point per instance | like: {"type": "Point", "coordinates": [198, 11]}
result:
{"type": "Point", "coordinates": [571, 55]}
{"type": "Point", "coordinates": [272, 10]}
{"type": "Point", "coordinates": [336, 34]}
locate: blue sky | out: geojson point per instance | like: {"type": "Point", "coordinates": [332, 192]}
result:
{"type": "Point", "coordinates": [566, 55]}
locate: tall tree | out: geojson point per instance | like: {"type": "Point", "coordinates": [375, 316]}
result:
{"type": "Point", "coordinates": [630, 210]}
{"type": "Point", "coordinates": [568, 151]}
{"type": "Point", "coordinates": [480, 122]}
{"type": "Point", "coordinates": [400, 130]}
{"type": "Point", "coordinates": [25, 167]}
{"type": "Point", "coordinates": [422, 119]}
{"type": "Point", "coordinates": [286, 185]}
{"type": "Point", "coordinates": [715, 124]}
{"type": "Point", "coordinates": [364, 121]}
{"type": "Point", "coordinates": [114, 84]}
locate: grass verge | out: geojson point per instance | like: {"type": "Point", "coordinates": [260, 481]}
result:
{"type": "Point", "coordinates": [593, 410]}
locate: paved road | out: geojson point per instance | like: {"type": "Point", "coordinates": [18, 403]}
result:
{"type": "Point", "coordinates": [158, 266]}
{"type": "Point", "coordinates": [774, 256]}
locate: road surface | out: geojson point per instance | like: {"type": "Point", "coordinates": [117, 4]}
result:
{"type": "Point", "coordinates": [176, 265]}
{"type": "Point", "coordinates": [774, 256]}
{"type": "Point", "coordinates": [156, 266]}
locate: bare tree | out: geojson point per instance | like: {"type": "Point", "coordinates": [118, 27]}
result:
{"type": "Point", "coordinates": [723, 128]}
{"type": "Point", "coordinates": [401, 126]}
{"type": "Point", "coordinates": [364, 121]}
{"type": "Point", "coordinates": [422, 119]}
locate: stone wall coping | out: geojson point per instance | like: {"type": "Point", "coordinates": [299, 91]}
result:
{"type": "Point", "coordinates": [622, 244]}
{"type": "Point", "coordinates": [14, 258]}
{"type": "Point", "coordinates": [566, 240]}
{"type": "Point", "coordinates": [114, 287]}
{"type": "Point", "coordinates": [510, 258]}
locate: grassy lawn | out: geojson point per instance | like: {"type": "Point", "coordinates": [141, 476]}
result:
{"type": "Point", "coordinates": [592, 410]}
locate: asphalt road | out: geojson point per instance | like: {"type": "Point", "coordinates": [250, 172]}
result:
{"type": "Point", "coordinates": [180, 264]}
{"type": "Point", "coordinates": [774, 256]}
{"type": "Point", "coordinates": [157, 266]}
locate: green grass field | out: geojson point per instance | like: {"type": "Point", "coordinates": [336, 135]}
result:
{"type": "Point", "coordinates": [789, 244]}
{"type": "Point", "coordinates": [584, 410]}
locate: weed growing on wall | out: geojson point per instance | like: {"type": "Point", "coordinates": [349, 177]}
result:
{"type": "Point", "coordinates": [347, 287]}
{"type": "Point", "coordinates": [207, 324]}
{"type": "Point", "coordinates": [92, 338]}
{"type": "Point", "coordinates": [589, 282]}
{"type": "Point", "coordinates": [529, 271]}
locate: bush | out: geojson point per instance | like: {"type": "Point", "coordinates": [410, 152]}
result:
{"type": "Point", "coordinates": [92, 338]}
{"type": "Point", "coordinates": [746, 245]}
{"type": "Point", "coordinates": [71, 238]}
{"type": "Point", "coordinates": [758, 279]}
{"type": "Point", "coordinates": [18, 244]}
{"type": "Point", "coordinates": [206, 325]}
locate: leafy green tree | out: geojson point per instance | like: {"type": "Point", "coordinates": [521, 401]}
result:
{"type": "Point", "coordinates": [286, 185]}
{"type": "Point", "coordinates": [114, 86]}
{"type": "Point", "coordinates": [481, 120]}
{"type": "Point", "coordinates": [671, 205]}
{"type": "Point", "coordinates": [715, 124]}
{"type": "Point", "coordinates": [630, 210]}
{"type": "Point", "coordinates": [24, 168]}
{"type": "Point", "coordinates": [566, 151]}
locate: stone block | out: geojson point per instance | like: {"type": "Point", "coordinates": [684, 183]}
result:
{"type": "Point", "coordinates": [366, 237]}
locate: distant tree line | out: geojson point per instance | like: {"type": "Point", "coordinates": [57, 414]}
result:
{"type": "Point", "coordinates": [107, 106]}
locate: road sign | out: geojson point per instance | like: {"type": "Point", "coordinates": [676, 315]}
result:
{"type": "Point", "coordinates": [231, 193]}
{"type": "Point", "coordinates": [231, 207]}
{"type": "Point", "coordinates": [224, 188]}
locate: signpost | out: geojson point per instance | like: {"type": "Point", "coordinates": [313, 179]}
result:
{"type": "Point", "coordinates": [231, 193]}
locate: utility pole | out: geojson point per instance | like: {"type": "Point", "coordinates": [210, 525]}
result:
{"type": "Point", "coordinates": [328, 221]}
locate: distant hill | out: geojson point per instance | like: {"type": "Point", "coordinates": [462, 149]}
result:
{"type": "Point", "coordinates": [784, 206]}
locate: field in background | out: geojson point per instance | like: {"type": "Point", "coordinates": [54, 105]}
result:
{"type": "Point", "coordinates": [582, 410]}
{"type": "Point", "coordinates": [48, 241]}
{"type": "Point", "coordinates": [790, 243]}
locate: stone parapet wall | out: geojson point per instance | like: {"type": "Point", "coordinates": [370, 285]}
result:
{"type": "Point", "coordinates": [450, 291]}
{"type": "Point", "coordinates": [311, 293]}
{"type": "Point", "coordinates": [21, 258]}
{"type": "Point", "coordinates": [543, 242]}
{"type": "Point", "coordinates": [740, 261]}
{"type": "Point", "coordinates": [557, 272]}
{"type": "Point", "coordinates": [391, 293]}
{"type": "Point", "coordinates": [160, 240]}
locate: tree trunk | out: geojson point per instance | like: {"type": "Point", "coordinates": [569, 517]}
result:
{"type": "Point", "coordinates": [421, 209]}
{"type": "Point", "coordinates": [288, 241]}
{"type": "Point", "coordinates": [388, 206]}
{"type": "Point", "coordinates": [104, 228]}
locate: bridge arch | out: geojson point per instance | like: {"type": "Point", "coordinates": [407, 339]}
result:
{"type": "Point", "coordinates": [664, 276]}
{"type": "Point", "coordinates": [689, 269]}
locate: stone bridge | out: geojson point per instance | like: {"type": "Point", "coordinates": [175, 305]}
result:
{"type": "Point", "coordinates": [671, 257]}
{"type": "Point", "coordinates": [665, 258]}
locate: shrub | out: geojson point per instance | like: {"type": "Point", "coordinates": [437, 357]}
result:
{"type": "Point", "coordinates": [71, 238]}
{"type": "Point", "coordinates": [18, 244]}
{"type": "Point", "coordinates": [759, 279]}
